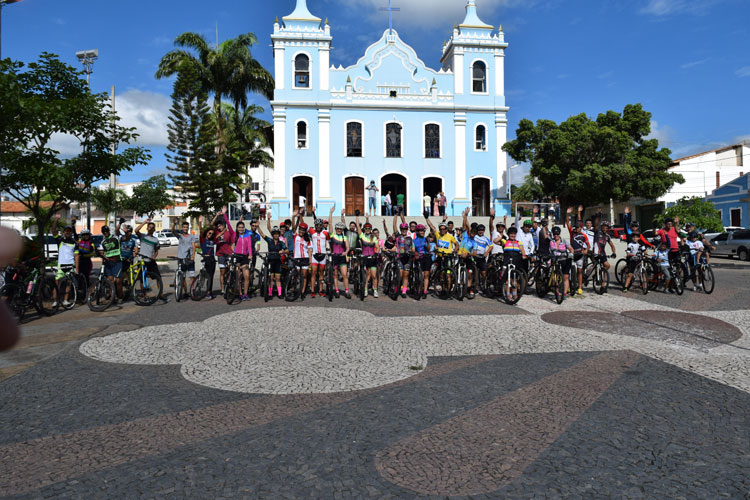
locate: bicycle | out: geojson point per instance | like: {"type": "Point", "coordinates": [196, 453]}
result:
{"type": "Point", "coordinates": [706, 277]}
{"type": "Point", "coordinates": [445, 282]}
{"type": "Point", "coordinates": [416, 280]}
{"type": "Point", "coordinates": [294, 280]}
{"type": "Point", "coordinates": [640, 274]}
{"type": "Point", "coordinates": [513, 284]}
{"type": "Point", "coordinates": [74, 286]}
{"type": "Point", "coordinates": [490, 285]}
{"type": "Point", "coordinates": [180, 275]}
{"type": "Point", "coordinates": [677, 284]}
{"type": "Point", "coordinates": [391, 275]}
{"type": "Point", "coordinates": [598, 273]}
{"type": "Point", "coordinates": [233, 280]}
{"type": "Point", "coordinates": [35, 289]}
{"type": "Point", "coordinates": [199, 288]}
{"type": "Point", "coordinates": [461, 270]}
{"type": "Point", "coordinates": [140, 284]}
{"type": "Point", "coordinates": [555, 279]}
{"type": "Point", "coordinates": [101, 292]}
{"type": "Point", "coordinates": [330, 277]}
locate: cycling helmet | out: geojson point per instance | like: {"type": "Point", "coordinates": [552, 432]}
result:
{"type": "Point", "coordinates": [367, 224]}
{"type": "Point", "coordinates": [556, 230]}
{"type": "Point", "coordinates": [340, 225]}
{"type": "Point", "coordinates": [84, 232]}
{"type": "Point", "coordinates": [442, 224]}
{"type": "Point", "coordinates": [693, 234]}
{"type": "Point", "coordinates": [127, 227]}
{"type": "Point", "coordinates": [481, 227]}
{"type": "Point", "coordinates": [403, 226]}
{"type": "Point", "coordinates": [303, 226]}
{"type": "Point", "coordinates": [318, 222]}
{"type": "Point", "coordinates": [605, 223]}
{"type": "Point", "coordinates": [634, 224]}
{"type": "Point", "coordinates": [275, 229]}
{"type": "Point", "coordinates": [420, 227]}
{"type": "Point", "coordinates": [527, 223]}
{"type": "Point", "coordinates": [689, 224]}
{"type": "Point", "coordinates": [105, 229]}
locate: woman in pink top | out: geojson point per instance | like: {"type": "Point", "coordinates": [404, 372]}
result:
{"type": "Point", "coordinates": [224, 240]}
{"type": "Point", "coordinates": [561, 249]}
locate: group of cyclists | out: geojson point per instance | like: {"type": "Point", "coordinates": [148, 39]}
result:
{"type": "Point", "coordinates": [415, 258]}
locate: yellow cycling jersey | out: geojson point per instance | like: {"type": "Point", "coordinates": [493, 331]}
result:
{"type": "Point", "coordinates": [446, 243]}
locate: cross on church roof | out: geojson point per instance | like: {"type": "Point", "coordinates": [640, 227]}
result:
{"type": "Point", "coordinates": [390, 10]}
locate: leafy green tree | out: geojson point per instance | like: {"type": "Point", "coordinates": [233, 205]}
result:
{"type": "Point", "coordinates": [592, 161]}
{"type": "Point", "coordinates": [109, 200]}
{"type": "Point", "coordinates": [49, 98]}
{"type": "Point", "coordinates": [247, 141]}
{"type": "Point", "coordinates": [697, 210]}
{"type": "Point", "coordinates": [226, 71]}
{"type": "Point", "coordinates": [192, 146]}
{"type": "Point", "coordinates": [149, 197]}
{"type": "Point", "coordinates": [530, 190]}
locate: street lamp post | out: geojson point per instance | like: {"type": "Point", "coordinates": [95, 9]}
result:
{"type": "Point", "coordinates": [3, 3]}
{"type": "Point", "coordinates": [87, 58]}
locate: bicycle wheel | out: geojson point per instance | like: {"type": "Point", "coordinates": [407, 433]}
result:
{"type": "Point", "coordinates": [265, 282]}
{"type": "Point", "coordinates": [460, 286]}
{"type": "Point", "coordinates": [199, 289]}
{"type": "Point", "coordinates": [679, 285]}
{"type": "Point", "coordinates": [362, 282]}
{"type": "Point", "coordinates": [513, 287]}
{"type": "Point", "coordinates": [395, 280]}
{"type": "Point", "coordinates": [601, 280]}
{"type": "Point", "coordinates": [445, 283]}
{"type": "Point", "coordinates": [621, 264]}
{"type": "Point", "coordinates": [12, 295]}
{"type": "Point", "coordinates": [47, 296]}
{"type": "Point", "coordinates": [293, 284]}
{"type": "Point", "coordinates": [559, 286]}
{"type": "Point", "coordinates": [642, 278]}
{"type": "Point", "coordinates": [101, 295]}
{"type": "Point", "coordinates": [542, 282]}
{"type": "Point", "coordinates": [418, 286]}
{"type": "Point", "coordinates": [147, 288]}
{"type": "Point", "coordinates": [179, 289]}
{"type": "Point", "coordinates": [67, 293]}
{"type": "Point", "coordinates": [231, 289]}
{"type": "Point", "coordinates": [255, 279]}
{"type": "Point", "coordinates": [81, 284]}
{"type": "Point", "coordinates": [707, 278]}
{"type": "Point", "coordinates": [652, 274]}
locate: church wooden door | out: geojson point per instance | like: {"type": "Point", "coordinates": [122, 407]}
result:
{"type": "Point", "coordinates": [354, 188]}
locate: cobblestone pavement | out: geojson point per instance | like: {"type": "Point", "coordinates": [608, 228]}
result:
{"type": "Point", "coordinates": [603, 397]}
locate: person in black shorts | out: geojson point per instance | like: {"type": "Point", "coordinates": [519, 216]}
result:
{"type": "Point", "coordinates": [276, 248]}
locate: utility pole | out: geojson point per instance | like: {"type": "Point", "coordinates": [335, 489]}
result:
{"type": "Point", "coordinates": [113, 177]}
{"type": "Point", "coordinates": [87, 58]}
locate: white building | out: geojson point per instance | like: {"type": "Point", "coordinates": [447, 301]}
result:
{"type": "Point", "coordinates": [704, 172]}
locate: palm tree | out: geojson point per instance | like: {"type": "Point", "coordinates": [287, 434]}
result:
{"type": "Point", "coordinates": [246, 136]}
{"type": "Point", "coordinates": [226, 71]}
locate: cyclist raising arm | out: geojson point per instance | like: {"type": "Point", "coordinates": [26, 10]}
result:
{"type": "Point", "coordinates": [276, 248]}
{"type": "Point", "coordinates": [224, 239]}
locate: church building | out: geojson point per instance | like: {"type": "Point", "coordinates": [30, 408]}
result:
{"type": "Point", "coordinates": [388, 118]}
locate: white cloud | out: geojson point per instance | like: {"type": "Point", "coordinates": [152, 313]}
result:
{"type": "Point", "coordinates": [415, 13]}
{"type": "Point", "coordinates": [743, 71]}
{"type": "Point", "coordinates": [693, 64]}
{"type": "Point", "coordinates": [148, 112]}
{"type": "Point", "coordinates": [518, 174]}
{"type": "Point", "coordinates": [606, 75]}
{"type": "Point", "coordinates": [664, 134]}
{"type": "Point", "coordinates": [65, 144]}
{"type": "Point", "coordinates": [667, 7]}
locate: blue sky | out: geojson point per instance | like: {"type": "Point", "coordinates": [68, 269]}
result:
{"type": "Point", "coordinates": [687, 61]}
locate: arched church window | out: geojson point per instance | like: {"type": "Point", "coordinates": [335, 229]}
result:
{"type": "Point", "coordinates": [301, 135]}
{"type": "Point", "coordinates": [480, 139]}
{"type": "Point", "coordinates": [302, 71]}
{"type": "Point", "coordinates": [479, 77]}
{"type": "Point", "coordinates": [393, 140]}
{"type": "Point", "coordinates": [432, 140]}
{"type": "Point", "coordinates": [354, 139]}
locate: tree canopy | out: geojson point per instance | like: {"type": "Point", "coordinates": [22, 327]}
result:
{"type": "Point", "coordinates": [49, 98]}
{"type": "Point", "coordinates": [592, 161]}
{"type": "Point", "coordinates": [697, 210]}
{"type": "Point", "coordinates": [149, 197]}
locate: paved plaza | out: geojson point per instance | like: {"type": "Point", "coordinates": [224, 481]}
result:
{"type": "Point", "coordinates": [613, 396]}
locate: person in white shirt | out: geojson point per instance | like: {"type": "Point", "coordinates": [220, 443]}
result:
{"type": "Point", "coordinates": [662, 258]}
{"type": "Point", "coordinates": [426, 202]}
{"type": "Point", "coordinates": [388, 204]}
{"type": "Point", "coordinates": [696, 252]}
{"type": "Point", "coordinates": [527, 240]}
{"type": "Point", "coordinates": [302, 204]}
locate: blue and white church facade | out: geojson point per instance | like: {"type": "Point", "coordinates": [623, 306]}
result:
{"type": "Point", "coordinates": [388, 118]}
